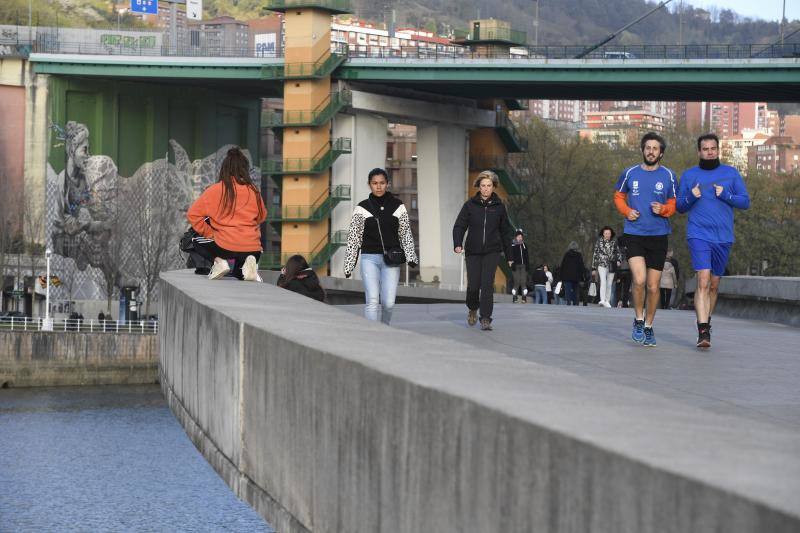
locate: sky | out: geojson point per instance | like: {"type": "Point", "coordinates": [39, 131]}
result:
{"type": "Point", "coordinates": [764, 9]}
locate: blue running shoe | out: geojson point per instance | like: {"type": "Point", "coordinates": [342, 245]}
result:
{"type": "Point", "coordinates": [638, 331]}
{"type": "Point", "coordinates": [649, 337]}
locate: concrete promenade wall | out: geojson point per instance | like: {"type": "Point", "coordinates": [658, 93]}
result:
{"type": "Point", "coordinates": [773, 299]}
{"type": "Point", "coordinates": [39, 359]}
{"type": "Point", "coordinates": [325, 422]}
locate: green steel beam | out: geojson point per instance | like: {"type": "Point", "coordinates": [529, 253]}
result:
{"type": "Point", "coordinates": [785, 72]}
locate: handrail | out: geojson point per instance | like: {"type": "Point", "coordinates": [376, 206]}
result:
{"type": "Point", "coordinates": [314, 165]}
{"type": "Point", "coordinates": [320, 68]}
{"type": "Point", "coordinates": [318, 256]}
{"type": "Point", "coordinates": [317, 116]}
{"type": "Point", "coordinates": [318, 210]}
{"type": "Point", "coordinates": [79, 325]}
{"type": "Point", "coordinates": [512, 139]}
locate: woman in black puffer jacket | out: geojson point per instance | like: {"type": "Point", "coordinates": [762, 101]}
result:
{"type": "Point", "coordinates": [485, 221]}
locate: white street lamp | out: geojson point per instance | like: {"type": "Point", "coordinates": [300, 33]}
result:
{"type": "Point", "coordinates": [47, 325]}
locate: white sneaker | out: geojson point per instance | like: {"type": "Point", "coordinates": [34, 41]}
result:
{"type": "Point", "coordinates": [220, 268]}
{"type": "Point", "coordinates": [606, 304]}
{"type": "Point", "coordinates": [250, 269]}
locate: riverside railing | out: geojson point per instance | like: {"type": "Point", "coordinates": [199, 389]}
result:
{"type": "Point", "coordinates": [76, 325]}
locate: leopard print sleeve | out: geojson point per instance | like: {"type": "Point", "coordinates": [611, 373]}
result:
{"type": "Point", "coordinates": [404, 234]}
{"type": "Point", "coordinates": [355, 234]}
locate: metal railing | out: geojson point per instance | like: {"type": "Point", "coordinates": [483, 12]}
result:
{"type": "Point", "coordinates": [509, 134]}
{"type": "Point", "coordinates": [75, 325]}
{"type": "Point", "coordinates": [313, 165]}
{"type": "Point", "coordinates": [319, 210]}
{"type": "Point", "coordinates": [317, 257]}
{"type": "Point", "coordinates": [318, 116]}
{"type": "Point", "coordinates": [608, 53]}
{"type": "Point", "coordinates": [505, 168]}
{"type": "Point", "coordinates": [159, 50]}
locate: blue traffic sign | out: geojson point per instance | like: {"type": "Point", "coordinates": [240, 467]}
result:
{"type": "Point", "coordinates": [149, 7]}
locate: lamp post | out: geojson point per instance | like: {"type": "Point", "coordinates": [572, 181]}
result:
{"type": "Point", "coordinates": [47, 325]}
{"type": "Point", "coordinates": [120, 11]}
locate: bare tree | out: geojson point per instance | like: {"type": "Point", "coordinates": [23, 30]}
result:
{"type": "Point", "coordinates": [153, 216]}
{"type": "Point", "coordinates": [33, 231]}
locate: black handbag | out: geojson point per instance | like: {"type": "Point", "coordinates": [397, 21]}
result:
{"type": "Point", "coordinates": [393, 256]}
{"type": "Point", "coordinates": [187, 240]}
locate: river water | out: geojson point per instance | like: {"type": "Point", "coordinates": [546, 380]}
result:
{"type": "Point", "coordinates": [107, 459]}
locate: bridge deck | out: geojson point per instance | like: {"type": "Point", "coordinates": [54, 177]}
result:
{"type": "Point", "coordinates": [752, 372]}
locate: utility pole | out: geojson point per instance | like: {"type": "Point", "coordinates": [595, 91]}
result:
{"type": "Point", "coordinates": [536, 22]}
{"type": "Point", "coordinates": [783, 21]}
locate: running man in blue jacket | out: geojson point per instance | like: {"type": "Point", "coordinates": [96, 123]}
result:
{"type": "Point", "coordinates": [709, 192]}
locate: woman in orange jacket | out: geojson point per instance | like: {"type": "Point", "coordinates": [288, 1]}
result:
{"type": "Point", "coordinates": [227, 217]}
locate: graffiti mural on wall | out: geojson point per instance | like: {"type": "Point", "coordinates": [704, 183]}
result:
{"type": "Point", "coordinates": [109, 230]}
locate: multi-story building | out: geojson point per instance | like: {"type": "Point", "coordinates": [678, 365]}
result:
{"type": "Point", "coordinates": [730, 118]}
{"type": "Point", "coordinates": [776, 155]}
{"type": "Point", "coordinates": [790, 127]}
{"type": "Point", "coordinates": [668, 110]}
{"type": "Point", "coordinates": [266, 36]}
{"type": "Point", "coordinates": [220, 36]}
{"type": "Point", "coordinates": [621, 127]}
{"type": "Point", "coordinates": [734, 149]}
{"type": "Point", "coordinates": [564, 111]}
{"type": "Point", "coordinates": [373, 39]}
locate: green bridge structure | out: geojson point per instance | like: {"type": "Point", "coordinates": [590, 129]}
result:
{"type": "Point", "coordinates": [680, 73]}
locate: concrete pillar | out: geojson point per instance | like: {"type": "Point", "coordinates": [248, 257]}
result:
{"type": "Point", "coordinates": [369, 133]}
{"type": "Point", "coordinates": [442, 167]}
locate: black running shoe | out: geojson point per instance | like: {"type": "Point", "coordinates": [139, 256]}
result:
{"type": "Point", "coordinates": [703, 336]}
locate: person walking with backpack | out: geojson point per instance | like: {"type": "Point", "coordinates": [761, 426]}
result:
{"type": "Point", "coordinates": [484, 221]}
{"type": "Point", "coordinates": [380, 231]}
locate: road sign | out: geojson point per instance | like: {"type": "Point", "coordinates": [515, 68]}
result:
{"type": "Point", "coordinates": [149, 7]}
{"type": "Point", "coordinates": [194, 9]}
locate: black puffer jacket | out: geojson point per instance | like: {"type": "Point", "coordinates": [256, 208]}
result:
{"type": "Point", "coordinates": [486, 225]}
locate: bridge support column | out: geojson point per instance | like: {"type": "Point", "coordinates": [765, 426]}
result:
{"type": "Point", "coordinates": [369, 133]}
{"type": "Point", "coordinates": [441, 190]}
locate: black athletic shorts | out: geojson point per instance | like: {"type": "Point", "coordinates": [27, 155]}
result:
{"type": "Point", "coordinates": [652, 247]}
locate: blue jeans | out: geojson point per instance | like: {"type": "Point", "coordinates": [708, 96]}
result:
{"type": "Point", "coordinates": [539, 294]}
{"type": "Point", "coordinates": [571, 289]}
{"type": "Point", "coordinates": [380, 286]}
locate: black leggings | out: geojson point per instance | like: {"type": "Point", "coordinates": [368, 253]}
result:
{"type": "Point", "coordinates": [210, 250]}
{"type": "Point", "coordinates": [480, 282]}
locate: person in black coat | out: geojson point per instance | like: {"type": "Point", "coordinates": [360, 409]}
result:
{"type": "Point", "coordinates": [572, 273]}
{"type": "Point", "coordinates": [484, 220]}
{"type": "Point", "coordinates": [298, 277]}
{"type": "Point", "coordinates": [519, 267]}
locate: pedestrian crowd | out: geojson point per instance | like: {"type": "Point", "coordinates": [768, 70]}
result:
{"type": "Point", "coordinates": [636, 269]}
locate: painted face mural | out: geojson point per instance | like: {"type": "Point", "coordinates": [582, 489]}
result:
{"type": "Point", "coordinates": [107, 230]}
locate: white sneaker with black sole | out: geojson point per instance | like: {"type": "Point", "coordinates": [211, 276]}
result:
{"type": "Point", "coordinates": [250, 269]}
{"type": "Point", "coordinates": [220, 268]}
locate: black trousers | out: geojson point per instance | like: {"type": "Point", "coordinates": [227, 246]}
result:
{"type": "Point", "coordinates": [210, 250]}
{"type": "Point", "coordinates": [666, 295]}
{"type": "Point", "coordinates": [480, 282]}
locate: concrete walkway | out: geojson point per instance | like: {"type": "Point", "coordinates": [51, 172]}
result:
{"type": "Point", "coordinates": [752, 371]}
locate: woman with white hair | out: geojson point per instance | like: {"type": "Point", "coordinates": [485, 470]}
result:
{"type": "Point", "coordinates": [484, 220]}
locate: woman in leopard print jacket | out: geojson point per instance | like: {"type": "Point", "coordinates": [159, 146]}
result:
{"type": "Point", "coordinates": [365, 236]}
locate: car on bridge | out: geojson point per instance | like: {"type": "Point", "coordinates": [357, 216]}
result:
{"type": "Point", "coordinates": [613, 54]}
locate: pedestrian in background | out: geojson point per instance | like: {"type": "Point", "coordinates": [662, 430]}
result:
{"type": "Point", "coordinates": [669, 280]}
{"type": "Point", "coordinates": [519, 267]}
{"type": "Point", "coordinates": [484, 221]}
{"type": "Point", "coordinates": [605, 260]}
{"type": "Point", "coordinates": [572, 273]}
